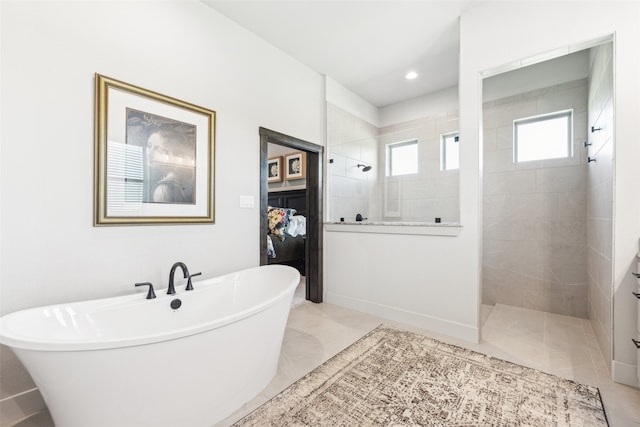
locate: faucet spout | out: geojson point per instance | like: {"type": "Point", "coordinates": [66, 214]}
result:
{"type": "Point", "coordinates": [171, 289]}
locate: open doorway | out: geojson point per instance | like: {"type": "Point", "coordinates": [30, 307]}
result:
{"type": "Point", "coordinates": [312, 205]}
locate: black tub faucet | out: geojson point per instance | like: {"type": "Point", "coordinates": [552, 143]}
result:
{"type": "Point", "coordinates": [150, 293]}
{"type": "Point", "coordinates": [172, 290]}
{"type": "Point", "coordinates": [189, 283]}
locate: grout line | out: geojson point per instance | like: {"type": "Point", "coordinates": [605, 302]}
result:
{"type": "Point", "coordinates": [13, 396]}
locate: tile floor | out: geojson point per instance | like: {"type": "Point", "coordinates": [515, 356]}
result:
{"type": "Point", "coordinates": [560, 345]}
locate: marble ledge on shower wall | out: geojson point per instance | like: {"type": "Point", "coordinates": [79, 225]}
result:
{"type": "Point", "coordinates": [393, 227]}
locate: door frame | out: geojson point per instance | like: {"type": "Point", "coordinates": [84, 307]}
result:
{"type": "Point", "coordinates": [313, 248]}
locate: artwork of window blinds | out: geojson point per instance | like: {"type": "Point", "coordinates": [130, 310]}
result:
{"type": "Point", "coordinates": [125, 177]}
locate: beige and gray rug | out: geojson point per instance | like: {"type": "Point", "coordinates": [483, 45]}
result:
{"type": "Point", "coordinates": [397, 378]}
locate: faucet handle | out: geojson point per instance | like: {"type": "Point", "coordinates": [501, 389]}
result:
{"type": "Point", "coordinates": [189, 284]}
{"type": "Point", "coordinates": [151, 294]}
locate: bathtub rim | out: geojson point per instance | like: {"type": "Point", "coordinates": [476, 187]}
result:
{"type": "Point", "coordinates": [28, 342]}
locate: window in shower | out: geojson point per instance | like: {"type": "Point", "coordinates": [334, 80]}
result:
{"type": "Point", "coordinates": [402, 158]}
{"type": "Point", "coordinates": [543, 137]}
{"type": "Point", "coordinates": [450, 151]}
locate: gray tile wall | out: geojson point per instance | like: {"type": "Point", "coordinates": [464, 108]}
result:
{"type": "Point", "coordinates": [350, 141]}
{"type": "Point", "coordinates": [534, 213]}
{"type": "Point", "coordinates": [431, 192]}
{"type": "Point", "coordinates": [419, 197]}
{"type": "Point", "coordinates": [600, 197]}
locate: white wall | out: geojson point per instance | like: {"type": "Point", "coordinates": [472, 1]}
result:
{"type": "Point", "coordinates": [430, 105]}
{"type": "Point", "coordinates": [49, 54]}
{"type": "Point", "coordinates": [339, 95]}
{"type": "Point", "coordinates": [50, 252]}
{"type": "Point", "coordinates": [493, 36]}
{"type": "Point", "coordinates": [415, 279]}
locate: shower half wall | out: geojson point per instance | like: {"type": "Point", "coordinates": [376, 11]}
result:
{"type": "Point", "coordinates": [535, 213]}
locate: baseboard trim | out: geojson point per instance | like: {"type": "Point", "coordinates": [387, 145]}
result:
{"type": "Point", "coordinates": [20, 406]}
{"type": "Point", "coordinates": [625, 373]}
{"type": "Point", "coordinates": [435, 324]}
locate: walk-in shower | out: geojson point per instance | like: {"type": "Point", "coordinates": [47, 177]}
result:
{"type": "Point", "coordinates": [414, 187]}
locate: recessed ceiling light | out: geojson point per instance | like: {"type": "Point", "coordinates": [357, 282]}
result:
{"type": "Point", "coordinates": [411, 75]}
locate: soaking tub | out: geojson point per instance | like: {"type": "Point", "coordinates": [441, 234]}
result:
{"type": "Point", "coordinates": [133, 362]}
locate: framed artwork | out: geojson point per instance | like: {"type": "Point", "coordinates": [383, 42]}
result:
{"type": "Point", "coordinates": [295, 165]}
{"type": "Point", "coordinates": [274, 169]}
{"type": "Point", "coordinates": [154, 157]}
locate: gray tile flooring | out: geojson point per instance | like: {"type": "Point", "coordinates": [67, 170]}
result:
{"type": "Point", "coordinates": [561, 345]}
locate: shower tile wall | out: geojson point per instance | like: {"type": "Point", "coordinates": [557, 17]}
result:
{"type": "Point", "coordinates": [419, 197]}
{"type": "Point", "coordinates": [350, 141]}
{"type": "Point", "coordinates": [431, 192]}
{"type": "Point", "coordinates": [600, 197]}
{"type": "Point", "coordinates": [534, 213]}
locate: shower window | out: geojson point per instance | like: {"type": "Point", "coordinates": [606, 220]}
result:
{"type": "Point", "coordinates": [543, 137]}
{"type": "Point", "coordinates": [402, 158]}
{"type": "Point", "coordinates": [450, 151]}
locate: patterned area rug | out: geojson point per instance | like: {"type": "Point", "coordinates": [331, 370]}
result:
{"type": "Point", "coordinates": [397, 378]}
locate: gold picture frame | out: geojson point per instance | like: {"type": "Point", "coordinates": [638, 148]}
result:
{"type": "Point", "coordinates": [154, 157]}
{"type": "Point", "coordinates": [295, 165]}
{"type": "Point", "coordinates": [274, 169]}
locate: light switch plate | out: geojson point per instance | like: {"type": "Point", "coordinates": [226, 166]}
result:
{"type": "Point", "coordinates": [247, 202]}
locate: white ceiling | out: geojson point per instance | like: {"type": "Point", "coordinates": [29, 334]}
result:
{"type": "Point", "coordinates": [367, 46]}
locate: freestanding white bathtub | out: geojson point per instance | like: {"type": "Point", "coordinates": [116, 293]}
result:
{"type": "Point", "coordinates": [132, 362]}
